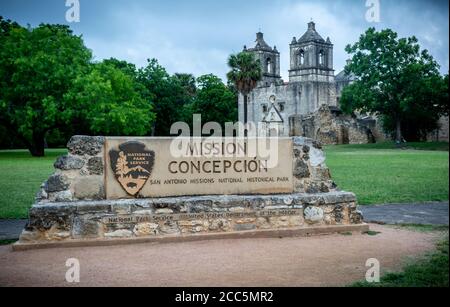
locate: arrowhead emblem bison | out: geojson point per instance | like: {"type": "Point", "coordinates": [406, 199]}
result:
{"type": "Point", "coordinates": [132, 165]}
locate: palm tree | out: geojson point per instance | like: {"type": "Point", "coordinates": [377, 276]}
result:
{"type": "Point", "coordinates": [245, 74]}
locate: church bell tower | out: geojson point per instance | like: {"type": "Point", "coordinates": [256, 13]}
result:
{"type": "Point", "coordinates": [311, 66]}
{"type": "Point", "coordinates": [270, 61]}
{"type": "Point", "coordinates": [311, 54]}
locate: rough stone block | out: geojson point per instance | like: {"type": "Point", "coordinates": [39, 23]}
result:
{"type": "Point", "coordinates": [86, 145]}
{"type": "Point", "coordinates": [95, 166]}
{"type": "Point", "coordinates": [313, 215]}
{"type": "Point", "coordinates": [263, 223]}
{"type": "Point", "coordinates": [220, 225]}
{"type": "Point", "coordinates": [69, 162]}
{"type": "Point", "coordinates": [57, 183]}
{"type": "Point", "coordinates": [169, 228]}
{"type": "Point", "coordinates": [63, 196]}
{"type": "Point", "coordinates": [163, 211]}
{"type": "Point", "coordinates": [89, 188]}
{"type": "Point", "coordinates": [85, 228]}
{"type": "Point", "coordinates": [30, 236]}
{"type": "Point", "coordinates": [301, 170]}
{"type": "Point", "coordinates": [146, 229]}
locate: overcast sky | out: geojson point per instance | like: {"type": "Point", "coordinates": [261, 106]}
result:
{"type": "Point", "coordinates": [196, 36]}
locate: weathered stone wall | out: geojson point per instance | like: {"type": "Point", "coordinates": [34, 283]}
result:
{"type": "Point", "coordinates": [375, 125]}
{"type": "Point", "coordinates": [311, 175]}
{"type": "Point", "coordinates": [79, 175]}
{"type": "Point", "coordinates": [188, 215]}
{"type": "Point", "coordinates": [440, 135]}
{"type": "Point", "coordinates": [331, 128]}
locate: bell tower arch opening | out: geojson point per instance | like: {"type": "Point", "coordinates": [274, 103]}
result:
{"type": "Point", "coordinates": [269, 69]}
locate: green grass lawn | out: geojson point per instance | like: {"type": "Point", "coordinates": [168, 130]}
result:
{"type": "Point", "coordinates": [21, 177]}
{"type": "Point", "coordinates": [431, 146]}
{"type": "Point", "coordinates": [380, 173]}
{"type": "Point", "coordinates": [377, 173]}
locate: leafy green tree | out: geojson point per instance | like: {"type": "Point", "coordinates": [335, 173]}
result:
{"type": "Point", "coordinates": [127, 68]}
{"type": "Point", "coordinates": [396, 80]}
{"type": "Point", "coordinates": [37, 68]}
{"type": "Point", "coordinates": [188, 82]}
{"type": "Point", "coordinates": [108, 102]}
{"type": "Point", "coordinates": [214, 101]}
{"type": "Point", "coordinates": [168, 94]}
{"type": "Point", "coordinates": [422, 115]}
{"type": "Point", "coordinates": [245, 74]}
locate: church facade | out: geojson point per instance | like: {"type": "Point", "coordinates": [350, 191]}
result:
{"type": "Point", "coordinates": [300, 107]}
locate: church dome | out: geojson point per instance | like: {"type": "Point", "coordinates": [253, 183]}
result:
{"type": "Point", "coordinates": [311, 35]}
{"type": "Point", "coordinates": [261, 44]}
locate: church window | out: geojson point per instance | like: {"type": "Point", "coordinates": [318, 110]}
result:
{"type": "Point", "coordinates": [281, 106]}
{"type": "Point", "coordinates": [301, 59]}
{"type": "Point", "coordinates": [269, 65]}
{"type": "Point", "coordinates": [264, 107]}
{"type": "Point", "coordinates": [321, 57]}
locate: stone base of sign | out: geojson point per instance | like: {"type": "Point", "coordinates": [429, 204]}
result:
{"type": "Point", "coordinates": [106, 222]}
{"type": "Point", "coordinates": [278, 233]}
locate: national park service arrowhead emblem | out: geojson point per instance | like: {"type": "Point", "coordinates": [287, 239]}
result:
{"type": "Point", "coordinates": [132, 165]}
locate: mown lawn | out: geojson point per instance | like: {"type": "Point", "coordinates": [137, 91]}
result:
{"type": "Point", "coordinates": [380, 173]}
{"type": "Point", "coordinates": [377, 173]}
{"type": "Point", "coordinates": [21, 177]}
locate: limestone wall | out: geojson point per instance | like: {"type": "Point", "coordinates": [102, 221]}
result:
{"type": "Point", "coordinates": [311, 175]}
{"type": "Point", "coordinates": [188, 215]}
{"type": "Point", "coordinates": [331, 128]}
{"type": "Point", "coordinates": [294, 98]}
{"type": "Point", "coordinates": [440, 135]}
{"type": "Point", "coordinates": [78, 175]}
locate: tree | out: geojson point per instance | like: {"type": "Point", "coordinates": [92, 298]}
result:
{"type": "Point", "coordinates": [214, 101]}
{"type": "Point", "coordinates": [122, 165]}
{"type": "Point", "coordinates": [245, 73]}
{"type": "Point", "coordinates": [107, 101]}
{"type": "Point", "coordinates": [187, 82]}
{"type": "Point", "coordinates": [127, 68]}
{"type": "Point", "coordinates": [396, 80]}
{"type": "Point", "coordinates": [168, 95]}
{"type": "Point", "coordinates": [37, 68]}
{"type": "Point", "coordinates": [421, 115]}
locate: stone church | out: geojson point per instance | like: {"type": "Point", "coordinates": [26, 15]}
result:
{"type": "Point", "coordinates": [307, 105]}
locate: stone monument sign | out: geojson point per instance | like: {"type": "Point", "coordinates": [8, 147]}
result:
{"type": "Point", "coordinates": [110, 190]}
{"type": "Point", "coordinates": [146, 168]}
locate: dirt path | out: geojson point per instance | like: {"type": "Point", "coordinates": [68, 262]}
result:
{"type": "Point", "coordinates": [334, 260]}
